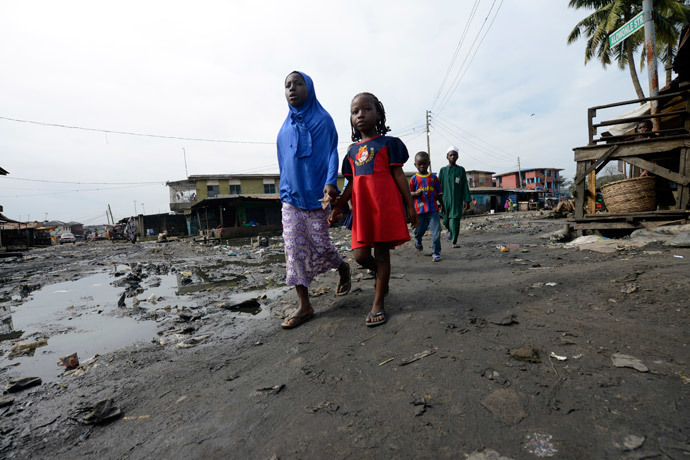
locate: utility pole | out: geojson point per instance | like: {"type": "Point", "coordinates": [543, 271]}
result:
{"type": "Point", "coordinates": [135, 207]}
{"type": "Point", "coordinates": [186, 173]}
{"type": "Point", "coordinates": [520, 173]}
{"type": "Point", "coordinates": [650, 46]}
{"type": "Point", "coordinates": [428, 145]}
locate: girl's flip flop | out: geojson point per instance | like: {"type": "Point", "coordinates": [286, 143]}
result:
{"type": "Point", "coordinates": [293, 321]}
{"type": "Point", "coordinates": [377, 323]}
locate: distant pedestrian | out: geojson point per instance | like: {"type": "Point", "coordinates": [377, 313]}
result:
{"type": "Point", "coordinates": [131, 230]}
{"type": "Point", "coordinates": [456, 194]}
{"type": "Point", "coordinates": [377, 187]}
{"type": "Point", "coordinates": [425, 188]}
{"type": "Point", "coordinates": [308, 162]}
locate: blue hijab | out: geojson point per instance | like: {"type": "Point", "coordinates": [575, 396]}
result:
{"type": "Point", "coordinates": [307, 152]}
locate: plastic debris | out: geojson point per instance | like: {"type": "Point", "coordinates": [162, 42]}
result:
{"type": "Point", "coordinates": [560, 358]}
{"type": "Point", "coordinates": [70, 361]}
{"type": "Point", "coordinates": [540, 445]}
{"type": "Point", "coordinates": [103, 411]}
{"type": "Point", "coordinates": [26, 348]}
{"type": "Point", "coordinates": [416, 357]}
{"type": "Point", "coordinates": [678, 257]}
{"type": "Point", "coordinates": [621, 360]}
{"type": "Point", "coordinates": [386, 361]}
{"type": "Point", "coordinates": [274, 390]}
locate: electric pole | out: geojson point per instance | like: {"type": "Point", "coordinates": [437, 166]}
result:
{"type": "Point", "coordinates": [428, 145]}
{"type": "Point", "coordinates": [519, 173]}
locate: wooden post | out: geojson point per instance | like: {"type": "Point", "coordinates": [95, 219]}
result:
{"type": "Point", "coordinates": [684, 169]}
{"type": "Point", "coordinates": [592, 192]}
{"type": "Point", "coordinates": [591, 113]}
{"type": "Point", "coordinates": [580, 191]}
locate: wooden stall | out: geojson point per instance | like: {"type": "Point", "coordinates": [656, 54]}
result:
{"type": "Point", "coordinates": [663, 152]}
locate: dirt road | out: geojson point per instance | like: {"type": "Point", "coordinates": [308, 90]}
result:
{"type": "Point", "coordinates": [506, 351]}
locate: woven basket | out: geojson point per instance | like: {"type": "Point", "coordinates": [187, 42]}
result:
{"type": "Point", "coordinates": [630, 195]}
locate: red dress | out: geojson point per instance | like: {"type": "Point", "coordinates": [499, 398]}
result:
{"type": "Point", "coordinates": [378, 215]}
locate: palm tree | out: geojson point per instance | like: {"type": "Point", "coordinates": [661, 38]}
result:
{"type": "Point", "coordinates": [669, 18]}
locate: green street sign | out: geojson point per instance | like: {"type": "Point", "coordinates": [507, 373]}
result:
{"type": "Point", "coordinates": [626, 30]}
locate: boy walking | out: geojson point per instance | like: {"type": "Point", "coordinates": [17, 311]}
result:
{"type": "Point", "coordinates": [426, 191]}
{"type": "Point", "coordinates": [457, 194]}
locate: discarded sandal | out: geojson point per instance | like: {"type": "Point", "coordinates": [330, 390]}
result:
{"type": "Point", "coordinates": [344, 286]}
{"type": "Point", "coordinates": [296, 320]}
{"type": "Point", "coordinates": [377, 323]}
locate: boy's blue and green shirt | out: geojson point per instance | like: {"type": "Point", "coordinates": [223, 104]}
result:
{"type": "Point", "coordinates": [431, 188]}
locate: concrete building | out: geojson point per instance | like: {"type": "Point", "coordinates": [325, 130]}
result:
{"type": "Point", "coordinates": [477, 178]}
{"type": "Point", "coordinates": [542, 179]}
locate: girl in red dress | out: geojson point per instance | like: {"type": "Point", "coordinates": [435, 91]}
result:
{"type": "Point", "coordinates": [377, 187]}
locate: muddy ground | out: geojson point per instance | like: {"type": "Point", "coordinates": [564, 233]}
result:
{"type": "Point", "coordinates": [515, 353]}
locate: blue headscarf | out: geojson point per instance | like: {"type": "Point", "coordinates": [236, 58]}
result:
{"type": "Point", "coordinates": [307, 152]}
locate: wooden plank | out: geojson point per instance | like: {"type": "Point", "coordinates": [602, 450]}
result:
{"type": "Point", "coordinates": [591, 131]}
{"type": "Point", "coordinates": [596, 165]}
{"type": "Point", "coordinates": [638, 148]}
{"type": "Point", "coordinates": [639, 101]}
{"type": "Point", "coordinates": [664, 214]}
{"type": "Point", "coordinates": [580, 192]}
{"type": "Point", "coordinates": [620, 121]}
{"type": "Point", "coordinates": [684, 190]}
{"type": "Point", "coordinates": [592, 189]}
{"type": "Point", "coordinates": [604, 225]}
{"type": "Point", "coordinates": [659, 170]}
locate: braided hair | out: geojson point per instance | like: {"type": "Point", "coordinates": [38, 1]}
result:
{"type": "Point", "coordinates": [381, 127]}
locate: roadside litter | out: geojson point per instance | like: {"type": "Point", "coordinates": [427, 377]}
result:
{"type": "Point", "coordinates": [27, 349]}
{"type": "Point", "coordinates": [70, 361]}
{"type": "Point", "coordinates": [540, 445]}
{"type": "Point", "coordinates": [103, 411]}
{"type": "Point", "coordinates": [621, 360]}
{"type": "Point", "coordinates": [416, 357]}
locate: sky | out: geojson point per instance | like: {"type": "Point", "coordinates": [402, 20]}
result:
{"type": "Point", "coordinates": [214, 70]}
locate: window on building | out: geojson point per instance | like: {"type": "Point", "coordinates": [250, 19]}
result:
{"type": "Point", "coordinates": [213, 190]}
{"type": "Point", "coordinates": [482, 180]}
{"type": "Point", "coordinates": [270, 188]}
{"type": "Point", "coordinates": [235, 189]}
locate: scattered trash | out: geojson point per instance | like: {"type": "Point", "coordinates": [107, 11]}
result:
{"type": "Point", "coordinates": [70, 361]}
{"type": "Point", "coordinates": [621, 360]}
{"type": "Point", "coordinates": [678, 257]}
{"type": "Point", "coordinates": [578, 356]}
{"type": "Point", "coordinates": [28, 348]}
{"type": "Point", "coordinates": [550, 284]}
{"type": "Point", "coordinates": [320, 291]}
{"type": "Point", "coordinates": [416, 357]}
{"type": "Point", "coordinates": [136, 417]}
{"type": "Point", "coordinates": [274, 390]}
{"type": "Point", "coordinates": [326, 406]}
{"type": "Point", "coordinates": [629, 288]}
{"type": "Point", "coordinates": [121, 302]}
{"type": "Point", "coordinates": [560, 358]}
{"type": "Point", "coordinates": [525, 353]}
{"type": "Point", "coordinates": [103, 411]}
{"type": "Point", "coordinates": [506, 405]}
{"type": "Point", "coordinates": [386, 361]}
{"type": "Point", "coordinates": [361, 342]}
{"type": "Point", "coordinates": [630, 442]}
{"type": "Point", "coordinates": [19, 384]}
{"type": "Point", "coordinates": [540, 445]}
{"type": "Point", "coordinates": [496, 377]}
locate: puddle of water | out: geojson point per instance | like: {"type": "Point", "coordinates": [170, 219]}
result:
{"type": "Point", "coordinates": [68, 313]}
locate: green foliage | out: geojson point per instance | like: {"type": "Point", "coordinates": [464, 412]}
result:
{"type": "Point", "coordinates": [608, 15]}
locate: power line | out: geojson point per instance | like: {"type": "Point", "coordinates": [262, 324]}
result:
{"type": "Point", "coordinates": [127, 133]}
{"type": "Point", "coordinates": [498, 153]}
{"type": "Point", "coordinates": [453, 132]}
{"type": "Point", "coordinates": [457, 51]}
{"type": "Point", "coordinates": [77, 190]}
{"type": "Point", "coordinates": [460, 76]}
{"type": "Point", "coordinates": [81, 183]}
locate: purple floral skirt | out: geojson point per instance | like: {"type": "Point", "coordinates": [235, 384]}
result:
{"type": "Point", "coordinates": [308, 248]}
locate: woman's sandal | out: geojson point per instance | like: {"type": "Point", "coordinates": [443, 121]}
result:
{"type": "Point", "coordinates": [344, 287]}
{"type": "Point", "coordinates": [296, 320]}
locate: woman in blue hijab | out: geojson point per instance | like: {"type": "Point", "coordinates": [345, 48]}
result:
{"type": "Point", "coordinates": [308, 159]}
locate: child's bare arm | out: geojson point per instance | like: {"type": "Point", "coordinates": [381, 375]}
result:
{"type": "Point", "coordinates": [401, 182]}
{"type": "Point", "coordinates": [338, 208]}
